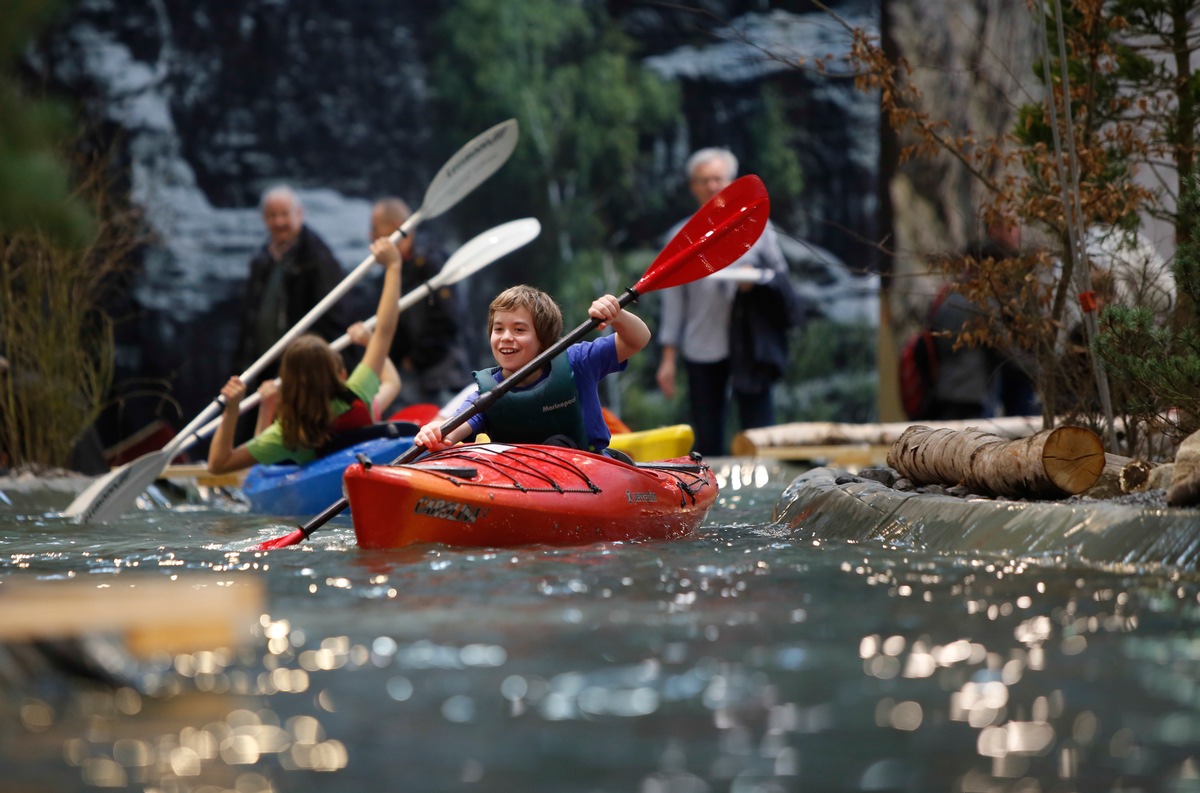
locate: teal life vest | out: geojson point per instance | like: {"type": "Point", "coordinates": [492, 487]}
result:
{"type": "Point", "coordinates": [531, 415]}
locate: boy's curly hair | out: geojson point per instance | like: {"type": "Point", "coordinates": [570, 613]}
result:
{"type": "Point", "coordinates": [547, 316]}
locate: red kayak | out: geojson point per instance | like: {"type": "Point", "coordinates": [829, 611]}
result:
{"type": "Point", "coordinates": [495, 495]}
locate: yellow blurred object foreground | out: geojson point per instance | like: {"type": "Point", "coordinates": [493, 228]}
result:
{"type": "Point", "coordinates": [662, 443]}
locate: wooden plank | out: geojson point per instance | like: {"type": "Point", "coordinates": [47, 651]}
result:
{"type": "Point", "coordinates": [836, 454]}
{"type": "Point", "coordinates": [151, 613]}
{"type": "Point", "coordinates": [199, 472]}
{"type": "Point", "coordinates": [822, 433]}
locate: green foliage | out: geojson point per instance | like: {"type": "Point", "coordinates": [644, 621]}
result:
{"type": "Point", "coordinates": [1186, 266]}
{"type": "Point", "coordinates": [584, 105]}
{"type": "Point", "coordinates": [585, 168]}
{"type": "Point", "coordinates": [1153, 365]}
{"type": "Point", "coordinates": [59, 357]}
{"type": "Point", "coordinates": [832, 375]}
{"type": "Point", "coordinates": [1100, 71]}
{"type": "Point", "coordinates": [1132, 104]}
{"type": "Point", "coordinates": [35, 189]}
{"type": "Point", "coordinates": [586, 109]}
{"type": "Point", "coordinates": [56, 337]}
{"type": "Point", "coordinates": [773, 144]}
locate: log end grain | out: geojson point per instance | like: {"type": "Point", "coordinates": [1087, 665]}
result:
{"type": "Point", "coordinates": [743, 445]}
{"type": "Point", "coordinates": [1073, 458]}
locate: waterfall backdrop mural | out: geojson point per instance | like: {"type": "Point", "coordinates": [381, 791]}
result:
{"type": "Point", "coordinates": [198, 108]}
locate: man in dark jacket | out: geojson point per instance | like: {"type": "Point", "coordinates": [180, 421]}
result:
{"type": "Point", "coordinates": [289, 275]}
{"type": "Point", "coordinates": [292, 272]}
{"type": "Point", "coordinates": [428, 348]}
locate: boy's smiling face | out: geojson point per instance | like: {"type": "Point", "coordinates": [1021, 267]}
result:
{"type": "Point", "coordinates": [514, 340]}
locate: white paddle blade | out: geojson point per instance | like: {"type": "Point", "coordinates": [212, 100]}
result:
{"type": "Point", "coordinates": [113, 493]}
{"type": "Point", "coordinates": [105, 498]}
{"type": "Point", "coordinates": [481, 157]}
{"type": "Point", "coordinates": [482, 250]}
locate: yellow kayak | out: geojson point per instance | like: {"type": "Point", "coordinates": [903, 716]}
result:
{"type": "Point", "coordinates": [662, 443]}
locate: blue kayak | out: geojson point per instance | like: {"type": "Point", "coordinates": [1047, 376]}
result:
{"type": "Point", "coordinates": [307, 489]}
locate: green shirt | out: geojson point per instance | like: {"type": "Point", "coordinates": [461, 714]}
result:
{"type": "Point", "coordinates": [268, 448]}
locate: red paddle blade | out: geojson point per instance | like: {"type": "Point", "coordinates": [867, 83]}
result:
{"type": "Point", "coordinates": [718, 234]}
{"type": "Point", "coordinates": [295, 538]}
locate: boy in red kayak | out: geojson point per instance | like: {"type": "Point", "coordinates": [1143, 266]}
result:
{"type": "Point", "coordinates": [560, 402]}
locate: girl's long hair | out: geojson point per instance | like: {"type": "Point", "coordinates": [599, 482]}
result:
{"type": "Point", "coordinates": [312, 376]}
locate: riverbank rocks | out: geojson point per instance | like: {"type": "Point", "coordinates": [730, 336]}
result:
{"type": "Point", "coordinates": [1185, 479]}
{"type": "Point", "coordinates": [1134, 529]}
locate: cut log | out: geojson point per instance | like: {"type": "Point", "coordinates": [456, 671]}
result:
{"type": "Point", "coordinates": [1121, 476]}
{"type": "Point", "coordinates": [776, 441]}
{"type": "Point", "coordinates": [1135, 475]}
{"type": "Point", "coordinates": [1053, 463]}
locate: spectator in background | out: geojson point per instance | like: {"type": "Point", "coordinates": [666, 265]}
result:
{"type": "Point", "coordinates": [979, 381]}
{"type": "Point", "coordinates": [292, 272]}
{"type": "Point", "coordinates": [1014, 392]}
{"type": "Point", "coordinates": [965, 383]}
{"type": "Point", "coordinates": [428, 347]}
{"type": "Point", "coordinates": [696, 325]}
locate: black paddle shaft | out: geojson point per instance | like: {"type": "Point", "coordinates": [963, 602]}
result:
{"type": "Point", "coordinates": [480, 405]}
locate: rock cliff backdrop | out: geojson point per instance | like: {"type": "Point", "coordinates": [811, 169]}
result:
{"type": "Point", "coordinates": [209, 103]}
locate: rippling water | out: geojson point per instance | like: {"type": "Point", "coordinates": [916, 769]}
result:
{"type": "Point", "coordinates": [749, 658]}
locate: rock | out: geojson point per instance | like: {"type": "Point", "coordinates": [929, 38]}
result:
{"type": "Point", "coordinates": [884, 476]}
{"type": "Point", "coordinates": [1185, 479]}
{"type": "Point", "coordinates": [1160, 477]}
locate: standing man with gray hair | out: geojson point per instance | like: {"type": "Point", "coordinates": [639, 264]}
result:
{"type": "Point", "coordinates": [696, 323]}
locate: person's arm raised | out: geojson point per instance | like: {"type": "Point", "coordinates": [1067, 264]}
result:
{"type": "Point", "coordinates": [389, 378]}
{"type": "Point", "coordinates": [631, 332]}
{"type": "Point", "coordinates": [388, 313]}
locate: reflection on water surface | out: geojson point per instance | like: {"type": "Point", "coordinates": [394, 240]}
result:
{"type": "Point", "coordinates": [748, 658]}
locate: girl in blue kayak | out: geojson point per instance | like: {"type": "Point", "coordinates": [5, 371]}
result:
{"type": "Point", "coordinates": [317, 400]}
